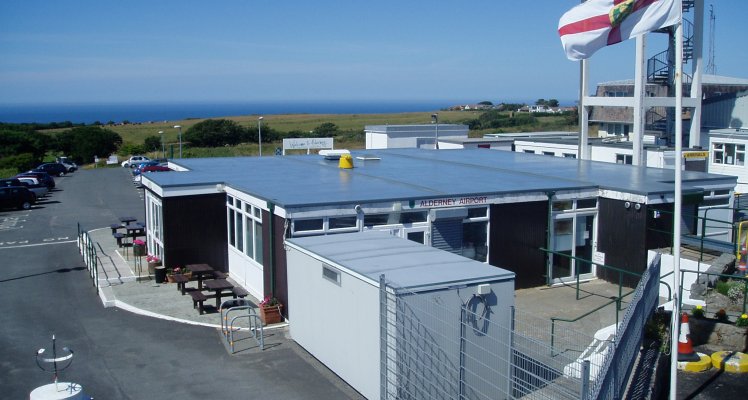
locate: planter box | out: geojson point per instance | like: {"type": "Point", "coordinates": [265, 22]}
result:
{"type": "Point", "coordinates": [271, 314]}
{"type": "Point", "coordinates": [726, 336]}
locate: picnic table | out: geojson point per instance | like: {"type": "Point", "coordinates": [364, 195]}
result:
{"type": "Point", "coordinates": [199, 271]}
{"type": "Point", "coordinates": [218, 286]}
{"type": "Point", "coordinates": [127, 220]}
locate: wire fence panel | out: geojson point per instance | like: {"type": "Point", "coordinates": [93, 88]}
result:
{"type": "Point", "coordinates": [452, 344]}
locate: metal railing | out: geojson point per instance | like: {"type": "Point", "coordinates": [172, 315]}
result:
{"type": "Point", "coordinates": [87, 248]}
{"type": "Point", "coordinates": [619, 362]}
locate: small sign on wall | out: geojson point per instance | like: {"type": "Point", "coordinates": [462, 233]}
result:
{"type": "Point", "coordinates": [598, 257]}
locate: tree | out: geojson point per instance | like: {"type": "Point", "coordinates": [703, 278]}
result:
{"type": "Point", "coordinates": [540, 102]}
{"type": "Point", "coordinates": [553, 103]}
{"type": "Point", "coordinates": [152, 143]}
{"type": "Point", "coordinates": [486, 103]}
{"type": "Point", "coordinates": [85, 142]}
{"type": "Point", "coordinates": [325, 130]}
{"type": "Point", "coordinates": [215, 133]}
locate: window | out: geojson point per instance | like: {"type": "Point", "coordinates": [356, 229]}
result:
{"type": "Point", "coordinates": [154, 222]}
{"type": "Point", "coordinates": [729, 153]}
{"type": "Point", "coordinates": [343, 222]}
{"type": "Point", "coordinates": [245, 228]}
{"type": "Point", "coordinates": [624, 159]}
{"type": "Point", "coordinates": [413, 217]}
{"type": "Point", "coordinates": [530, 151]}
{"type": "Point", "coordinates": [302, 225]}
{"type": "Point", "coordinates": [549, 153]}
{"type": "Point", "coordinates": [331, 274]}
{"type": "Point", "coordinates": [570, 155]}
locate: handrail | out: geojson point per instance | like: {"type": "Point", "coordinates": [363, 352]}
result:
{"type": "Point", "coordinates": [90, 256]}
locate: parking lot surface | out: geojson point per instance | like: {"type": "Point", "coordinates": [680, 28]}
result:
{"type": "Point", "coordinates": [45, 290]}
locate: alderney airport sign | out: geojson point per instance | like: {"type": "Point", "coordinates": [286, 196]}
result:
{"type": "Point", "coordinates": [450, 202]}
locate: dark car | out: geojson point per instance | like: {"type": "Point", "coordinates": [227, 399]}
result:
{"type": "Point", "coordinates": [155, 168]}
{"type": "Point", "coordinates": [17, 182]}
{"type": "Point", "coordinates": [16, 197]}
{"type": "Point", "coordinates": [54, 169]}
{"type": "Point", "coordinates": [43, 177]}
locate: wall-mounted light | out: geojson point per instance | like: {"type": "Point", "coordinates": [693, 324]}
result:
{"type": "Point", "coordinates": [637, 207]}
{"type": "Point", "coordinates": [627, 205]}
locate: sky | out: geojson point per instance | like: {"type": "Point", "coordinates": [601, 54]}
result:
{"type": "Point", "coordinates": [105, 51]}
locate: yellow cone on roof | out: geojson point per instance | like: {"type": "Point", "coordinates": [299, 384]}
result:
{"type": "Point", "coordinates": [346, 161]}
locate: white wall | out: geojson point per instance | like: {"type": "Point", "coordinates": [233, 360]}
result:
{"type": "Point", "coordinates": [337, 324]}
{"type": "Point", "coordinates": [376, 140]}
{"type": "Point", "coordinates": [688, 279]}
{"type": "Point", "coordinates": [741, 171]}
{"type": "Point", "coordinates": [247, 273]}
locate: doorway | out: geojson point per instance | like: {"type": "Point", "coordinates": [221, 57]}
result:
{"type": "Point", "coordinates": [573, 237]}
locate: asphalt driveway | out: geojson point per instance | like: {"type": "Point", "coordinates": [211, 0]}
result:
{"type": "Point", "coordinates": [45, 290]}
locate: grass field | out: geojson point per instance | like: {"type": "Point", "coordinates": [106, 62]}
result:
{"type": "Point", "coordinates": [351, 128]}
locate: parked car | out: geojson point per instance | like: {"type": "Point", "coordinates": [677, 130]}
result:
{"type": "Point", "coordinates": [68, 163]}
{"type": "Point", "coordinates": [134, 160]}
{"type": "Point", "coordinates": [16, 197]}
{"type": "Point", "coordinates": [54, 169]}
{"type": "Point", "coordinates": [43, 177]}
{"type": "Point", "coordinates": [140, 166]}
{"type": "Point", "coordinates": [37, 188]}
{"type": "Point", "coordinates": [155, 168]}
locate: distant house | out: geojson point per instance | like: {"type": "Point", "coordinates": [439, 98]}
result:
{"type": "Point", "coordinates": [538, 109]}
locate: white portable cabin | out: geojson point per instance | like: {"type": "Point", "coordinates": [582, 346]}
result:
{"type": "Point", "coordinates": [334, 294]}
{"type": "Point", "coordinates": [411, 136]}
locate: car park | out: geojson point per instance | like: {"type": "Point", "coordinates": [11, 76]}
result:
{"type": "Point", "coordinates": [134, 160]}
{"type": "Point", "coordinates": [54, 169]}
{"type": "Point", "coordinates": [43, 177]}
{"type": "Point", "coordinates": [16, 197]}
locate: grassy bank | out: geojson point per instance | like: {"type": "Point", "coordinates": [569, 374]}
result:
{"type": "Point", "coordinates": [350, 136]}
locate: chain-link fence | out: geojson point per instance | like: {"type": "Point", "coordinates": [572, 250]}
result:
{"type": "Point", "coordinates": [456, 344]}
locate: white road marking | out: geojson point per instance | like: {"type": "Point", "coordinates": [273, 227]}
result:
{"type": "Point", "coordinates": [35, 245]}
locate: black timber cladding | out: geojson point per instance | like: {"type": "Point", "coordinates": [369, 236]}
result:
{"type": "Point", "coordinates": [518, 232]}
{"type": "Point", "coordinates": [195, 230]}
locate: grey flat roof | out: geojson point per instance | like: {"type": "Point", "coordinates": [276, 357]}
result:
{"type": "Point", "coordinates": [407, 263]}
{"type": "Point", "coordinates": [412, 174]}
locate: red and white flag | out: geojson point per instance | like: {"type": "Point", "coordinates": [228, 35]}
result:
{"type": "Point", "coordinates": [595, 24]}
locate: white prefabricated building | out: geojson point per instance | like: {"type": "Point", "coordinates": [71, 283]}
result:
{"type": "Point", "coordinates": [335, 293]}
{"type": "Point", "coordinates": [411, 136]}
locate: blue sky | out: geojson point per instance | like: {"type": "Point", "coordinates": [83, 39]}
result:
{"type": "Point", "coordinates": [253, 50]}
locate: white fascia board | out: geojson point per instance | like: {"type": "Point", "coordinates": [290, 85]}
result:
{"type": "Point", "coordinates": [616, 195]}
{"type": "Point", "coordinates": [255, 201]}
{"type": "Point", "coordinates": [629, 101]}
{"type": "Point", "coordinates": [177, 191]}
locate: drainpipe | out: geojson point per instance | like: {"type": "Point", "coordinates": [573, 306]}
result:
{"type": "Point", "coordinates": [549, 231]}
{"type": "Point", "coordinates": [271, 259]}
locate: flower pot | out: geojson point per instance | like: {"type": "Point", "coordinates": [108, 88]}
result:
{"type": "Point", "coordinates": [152, 267]}
{"type": "Point", "coordinates": [138, 250]}
{"type": "Point", "coordinates": [271, 314]}
{"type": "Point", "coordinates": [170, 278]}
{"type": "Point", "coordinates": [160, 273]}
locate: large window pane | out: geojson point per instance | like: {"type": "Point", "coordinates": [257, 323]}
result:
{"type": "Point", "coordinates": [474, 240]}
{"type": "Point", "coordinates": [301, 225]}
{"type": "Point", "coordinates": [411, 217]}
{"type": "Point", "coordinates": [342, 222]}
{"type": "Point", "coordinates": [232, 226]}
{"type": "Point", "coordinates": [258, 242]}
{"type": "Point", "coordinates": [477, 212]}
{"type": "Point", "coordinates": [249, 237]}
{"type": "Point", "coordinates": [375, 219]}
{"type": "Point", "coordinates": [239, 231]}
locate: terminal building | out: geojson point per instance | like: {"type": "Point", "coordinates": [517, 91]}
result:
{"type": "Point", "coordinates": [540, 217]}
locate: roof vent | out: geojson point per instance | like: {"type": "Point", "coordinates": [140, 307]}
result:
{"type": "Point", "coordinates": [333, 154]}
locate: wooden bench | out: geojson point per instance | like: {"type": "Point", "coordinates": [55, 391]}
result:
{"type": "Point", "coordinates": [240, 292]}
{"type": "Point", "coordinates": [181, 282]}
{"type": "Point", "coordinates": [118, 236]}
{"type": "Point", "coordinates": [197, 300]}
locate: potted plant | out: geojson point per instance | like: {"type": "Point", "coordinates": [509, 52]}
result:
{"type": "Point", "coordinates": [153, 262]}
{"type": "Point", "coordinates": [270, 310]}
{"type": "Point", "coordinates": [138, 248]}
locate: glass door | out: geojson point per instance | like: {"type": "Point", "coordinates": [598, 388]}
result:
{"type": "Point", "coordinates": [573, 238]}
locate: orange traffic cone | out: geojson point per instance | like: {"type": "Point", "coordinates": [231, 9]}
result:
{"type": "Point", "coordinates": [685, 347]}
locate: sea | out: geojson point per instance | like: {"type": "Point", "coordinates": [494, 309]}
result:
{"type": "Point", "coordinates": [159, 112]}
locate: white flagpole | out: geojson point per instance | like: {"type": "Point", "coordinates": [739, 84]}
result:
{"type": "Point", "coordinates": [639, 109]}
{"type": "Point", "coordinates": [674, 328]}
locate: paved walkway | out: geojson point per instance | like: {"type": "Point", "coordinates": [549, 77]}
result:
{"type": "Point", "coordinates": [122, 287]}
